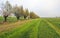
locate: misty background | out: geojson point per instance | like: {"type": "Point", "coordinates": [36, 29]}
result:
{"type": "Point", "coordinates": [43, 8]}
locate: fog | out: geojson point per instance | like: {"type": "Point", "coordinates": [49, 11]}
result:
{"type": "Point", "coordinates": [43, 8]}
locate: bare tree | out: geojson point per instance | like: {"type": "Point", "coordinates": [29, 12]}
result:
{"type": "Point", "coordinates": [26, 13]}
{"type": "Point", "coordinates": [18, 11]}
{"type": "Point", "coordinates": [6, 10]}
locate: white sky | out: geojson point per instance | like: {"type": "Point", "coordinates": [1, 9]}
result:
{"type": "Point", "coordinates": [43, 8]}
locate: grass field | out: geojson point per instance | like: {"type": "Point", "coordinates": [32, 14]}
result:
{"type": "Point", "coordinates": [32, 28]}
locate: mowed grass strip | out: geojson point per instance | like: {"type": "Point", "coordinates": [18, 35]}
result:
{"type": "Point", "coordinates": [55, 21]}
{"type": "Point", "coordinates": [34, 33]}
{"type": "Point", "coordinates": [36, 28]}
{"type": "Point", "coordinates": [20, 31]}
{"type": "Point", "coordinates": [31, 32]}
{"type": "Point", "coordinates": [9, 29]}
{"type": "Point", "coordinates": [7, 34]}
{"type": "Point", "coordinates": [54, 27]}
{"type": "Point", "coordinates": [46, 31]}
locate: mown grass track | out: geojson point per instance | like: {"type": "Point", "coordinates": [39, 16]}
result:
{"type": "Point", "coordinates": [54, 27]}
{"type": "Point", "coordinates": [17, 31]}
{"type": "Point", "coordinates": [21, 33]}
{"type": "Point", "coordinates": [46, 31]}
{"type": "Point", "coordinates": [36, 28]}
{"type": "Point", "coordinates": [54, 21]}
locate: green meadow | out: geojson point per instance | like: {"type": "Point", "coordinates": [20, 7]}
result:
{"type": "Point", "coordinates": [31, 28]}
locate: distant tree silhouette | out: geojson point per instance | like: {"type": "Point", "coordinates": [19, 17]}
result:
{"type": "Point", "coordinates": [33, 15]}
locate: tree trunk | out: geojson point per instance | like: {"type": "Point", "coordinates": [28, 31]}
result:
{"type": "Point", "coordinates": [5, 18]}
{"type": "Point", "coordinates": [17, 18]}
{"type": "Point", "coordinates": [24, 17]}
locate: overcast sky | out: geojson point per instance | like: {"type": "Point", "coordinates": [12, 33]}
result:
{"type": "Point", "coordinates": [43, 8]}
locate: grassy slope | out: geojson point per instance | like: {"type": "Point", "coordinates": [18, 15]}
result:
{"type": "Point", "coordinates": [36, 28]}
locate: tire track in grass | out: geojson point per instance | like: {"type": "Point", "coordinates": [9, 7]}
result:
{"type": "Point", "coordinates": [11, 26]}
{"type": "Point", "coordinates": [55, 22]}
{"type": "Point", "coordinates": [23, 29]}
{"type": "Point", "coordinates": [54, 27]}
{"type": "Point", "coordinates": [45, 31]}
{"type": "Point", "coordinates": [10, 30]}
{"type": "Point", "coordinates": [7, 33]}
{"type": "Point", "coordinates": [31, 32]}
{"type": "Point", "coordinates": [34, 33]}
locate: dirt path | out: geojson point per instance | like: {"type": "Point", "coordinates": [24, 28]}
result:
{"type": "Point", "coordinates": [12, 25]}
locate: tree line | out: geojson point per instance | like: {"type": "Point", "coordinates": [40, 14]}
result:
{"type": "Point", "coordinates": [18, 11]}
